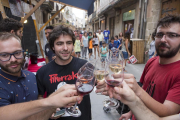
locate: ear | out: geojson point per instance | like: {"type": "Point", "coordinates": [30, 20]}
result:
{"type": "Point", "coordinates": [12, 31]}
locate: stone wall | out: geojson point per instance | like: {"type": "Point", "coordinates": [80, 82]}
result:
{"type": "Point", "coordinates": [153, 15]}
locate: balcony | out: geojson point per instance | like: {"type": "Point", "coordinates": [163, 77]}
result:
{"type": "Point", "coordinates": [94, 15]}
{"type": "Point", "coordinates": [47, 6]}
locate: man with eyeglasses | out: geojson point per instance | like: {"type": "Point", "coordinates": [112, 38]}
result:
{"type": "Point", "coordinates": [18, 88]}
{"type": "Point", "coordinates": [11, 25]}
{"type": "Point", "coordinates": [161, 79]}
{"type": "Point", "coordinates": [48, 52]}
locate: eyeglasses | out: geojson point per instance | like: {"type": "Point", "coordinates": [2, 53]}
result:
{"type": "Point", "coordinates": [7, 56]}
{"type": "Point", "coordinates": [169, 36]}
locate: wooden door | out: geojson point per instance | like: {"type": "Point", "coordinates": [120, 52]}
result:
{"type": "Point", "coordinates": [111, 26]}
{"type": "Point", "coordinates": [170, 7]}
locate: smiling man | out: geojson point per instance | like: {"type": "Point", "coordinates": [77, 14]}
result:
{"type": "Point", "coordinates": [63, 69]}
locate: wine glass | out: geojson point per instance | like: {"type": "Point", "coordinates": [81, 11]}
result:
{"type": "Point", "coordinates": [84, 84]}
{"type": "Point", "coordinates": [116, 66]}
{"type": "Point", "coordinates": [100, 71]}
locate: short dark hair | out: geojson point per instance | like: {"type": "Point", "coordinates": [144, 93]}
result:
{"type": "Point", "coordinates": [127, 35]}
{"type": "Point", "coordinates": [49, 27]}
{"type": "Point", "coordinates": [8, 24]}
{"type": "Point", "coordinates": [112, 38]}
{"type": "Point", "coordinates": [166, 21]}
{"type": "Point", "coordinates": [6, 35]}
{"type": "Point", "coordinates": [57, 32]}
{"type": "Point", "coordinates": [116, 36]}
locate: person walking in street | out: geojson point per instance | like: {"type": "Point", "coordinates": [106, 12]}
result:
{"type": "Point", "coordinates": [84, 43]}
{"type": "Point", "coordinates": [121, 37]}
{"type": "Point", "coordinates": [125, 44]}
{"type": "Point", "coordinates": [160, 79]}
{"type": "Point", "coordinates": [90, 47]}
{"type": "Point", "coordinates": [152, 50]}
{"type": "Point", "coordinates": [106, 35]}
{"type": "Point", "coordinates": [77, 46]}
{"type": "Point", "coordinates": [63, 69]}
{"type": "Point", "coordinates": [95, 44]}
{"type": "Point", "coordinates": [100, 37]}
{"type": "Point", "coordinates": [18, 88]}
{"type": "Point", "coordinates": [103, 51]}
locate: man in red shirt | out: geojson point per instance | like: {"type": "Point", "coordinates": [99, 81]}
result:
{"type": "Point", "coordinates": [161, 79]}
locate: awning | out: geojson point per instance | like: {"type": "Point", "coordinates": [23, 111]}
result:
{"type": "Point", "coordinates": [83, 4]}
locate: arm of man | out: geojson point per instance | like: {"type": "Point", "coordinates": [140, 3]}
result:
{"type": "Point", "coordinates": [165, 109]}
{"type": "Point", "coordinates": [141, 112]}
{"type": "Point", "coordinates": [67, 94]}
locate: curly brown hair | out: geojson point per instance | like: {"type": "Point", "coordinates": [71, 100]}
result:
{"type": "Point", "coordinates": [57, 32]}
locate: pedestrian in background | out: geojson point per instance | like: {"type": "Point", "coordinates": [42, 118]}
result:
{"type": "Point", "coordinates": [152, 50]}
{"type": "Point", "coordinates": [77, 46]}
{"type": "Point", "coordinates": [121, 37]}
{"type": "Point", "coordinates": [100, 37]}
{"type": "Point", "coordinates": [90, 47]}
{"type": "Point", "coordinates": [84, 43]}
{"type": "Point", "coordinates": [106, 35]}
{"type": "Point", "coordinates": [103, 51]}
{"type": "Point", "coordinates": [125, 44]}
{"type": "Point", "coordinates": [95, 44]}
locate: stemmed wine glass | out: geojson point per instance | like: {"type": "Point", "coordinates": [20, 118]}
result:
{"type": "Point", "coordinates": [116, 66]}
{"type": "Point", "coordinates": [100, 71]}
{"type": "Point", "coordinates": [85, 83]}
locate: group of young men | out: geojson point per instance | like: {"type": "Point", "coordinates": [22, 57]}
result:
{"type": "Point", "coordinates": [20, 89]}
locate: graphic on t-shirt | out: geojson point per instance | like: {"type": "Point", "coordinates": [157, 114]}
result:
{"type": "Point", "coordinates": [47, 49]}
{"type": "Point", "coordinates": [54, 77]}
{"type": "Point", "coordinates": [151, 88]}
{"type": "Point", "coordinates": [106, 34]}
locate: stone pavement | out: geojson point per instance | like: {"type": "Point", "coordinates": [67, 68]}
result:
{"type": "Point", "coordinates": [97, 100]}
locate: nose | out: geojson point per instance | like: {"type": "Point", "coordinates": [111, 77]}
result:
{"type": "Point", "coordinates": [12, 58]}
{"type": "Point", "coordinates": [65, 46]}
{"type": "Point", "coordinates": [163, 39]}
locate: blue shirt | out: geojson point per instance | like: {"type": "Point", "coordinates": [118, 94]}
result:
{"type": "Point", "coordinates": [48, 52]}
{"type": "Point", "coordinates": [111, 45]}
{"type": "Point", "coordinates": [106, 34]}
{"type": "Point", "coordinates": [116, 43]}
{"type": "Point", "coordinates": [15, 89]}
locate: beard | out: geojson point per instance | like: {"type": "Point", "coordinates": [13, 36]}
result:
{"type": "Point", "coordinates": [18, 36]}
{"type": "Point", "coordinates": [64, 58]}
{"type": "Point", "coordinates": [7, 68]}
{"type": "Point", "coordinates": [167, 54]}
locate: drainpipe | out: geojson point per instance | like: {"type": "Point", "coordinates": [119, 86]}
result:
{"type": "Point", "coordinates": [145, 20]}
{"type": "Point", "coordinates": [139, 22]}
{"type": "Point", "coordinates": [141, 26]}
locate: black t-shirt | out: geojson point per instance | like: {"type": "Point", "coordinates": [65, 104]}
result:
{"type": "Point", "coordinates": [48, 52]}
{"type": "Point", "coordinates": [50, 75]}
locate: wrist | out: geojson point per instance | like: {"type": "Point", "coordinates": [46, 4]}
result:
{"type": "Point", "coordinates": [138, 91]}
{"type": "Point", "coordinates": [47, 103]}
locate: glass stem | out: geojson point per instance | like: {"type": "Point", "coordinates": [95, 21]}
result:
{"type": "Point", "coordinates": [74, 108]}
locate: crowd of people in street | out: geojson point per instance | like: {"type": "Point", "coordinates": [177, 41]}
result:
{"type": "Point", "coordinates": [155, 97]}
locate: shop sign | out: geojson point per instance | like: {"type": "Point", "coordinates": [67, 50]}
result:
{"type": "Point", "coordinates": [130, 15]}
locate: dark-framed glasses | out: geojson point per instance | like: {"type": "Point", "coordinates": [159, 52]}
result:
{"type": "Point", "coordinates": [7, 56]}
{"type": "Point", "coordinates": [169, 35]}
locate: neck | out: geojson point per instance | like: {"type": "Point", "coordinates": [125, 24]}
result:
{"type": "Point", "coordinates": [13, 74]}
{"type": "Point", "coordinates": [63, 62]}
{"type": "Point", "coordinates": [169, 60]}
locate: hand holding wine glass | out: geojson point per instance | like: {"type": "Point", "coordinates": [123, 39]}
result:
{"type": "Point", "coordinates": [84, 84]}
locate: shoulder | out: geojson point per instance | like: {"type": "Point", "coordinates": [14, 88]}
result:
{"type": "Point", "coordinates": [28, 73]}
{"type": "Point", "coordinates": [151, 61]}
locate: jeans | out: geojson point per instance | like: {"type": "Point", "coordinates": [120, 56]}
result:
{"type": "Point", "coordinates": [84, 52]}
{"type": "Point", "coordinates": [100, 44]}
{"type": "Point", "coordinates": [106, 40]}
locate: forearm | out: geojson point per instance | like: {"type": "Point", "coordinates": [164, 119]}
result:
{"type": "Point", "coordinates": [20, 111]}
{"type": "Point", "coordinates": [44, 115]}
{"type": "Point", "coordinates": [155, 106]}
{"type": "Point", "coordinates": [141, 112]}
{"type": "Point", "coordinates": [172, 117]}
